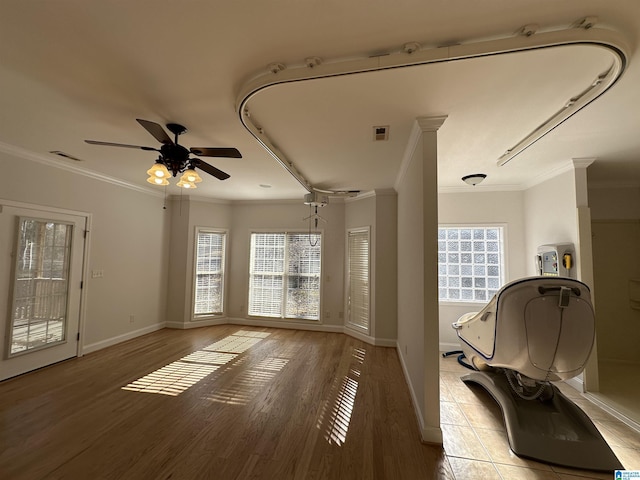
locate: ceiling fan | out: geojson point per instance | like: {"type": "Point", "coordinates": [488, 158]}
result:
{"type": "Point", "coordinates": [175, 158]}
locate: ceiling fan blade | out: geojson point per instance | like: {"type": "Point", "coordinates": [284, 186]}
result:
{"type": "Point", "coordinates": [211, 170]}
{"type": "Point", "coordinates": [216, 152]}
{"type": "Point", "coordinates": [110, 144]}
{"type": "Point", "coordinates": [156, 130]}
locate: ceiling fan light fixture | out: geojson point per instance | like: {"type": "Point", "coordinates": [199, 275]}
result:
{"type": "Point", "coordinates": [190, 175]}
{"type": "Point", "coordinates": [474, 178]}
{"type": "Point", "coordinates": [159, 170]}
{"type": "Point", "coordinates": [157, 180]}
{"type": "Point", "coordinates": [186, 184]}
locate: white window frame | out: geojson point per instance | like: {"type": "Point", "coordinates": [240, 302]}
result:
{"type": "Point", "coordinates": [502, 262]}
{"type": "Point", "coordinates": [363, 327]}
{"type": "Point", "coordinates": [225, 234]}
{"type": "Point", "coordinates": [283, 310]}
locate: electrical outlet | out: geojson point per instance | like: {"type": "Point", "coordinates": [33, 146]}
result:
{"type": "Point", "coordinates": [132, 318]}
{"type": "Point", "coordinates": [97, 273]}
{"type": "Point", "coordinates": [327, 314]}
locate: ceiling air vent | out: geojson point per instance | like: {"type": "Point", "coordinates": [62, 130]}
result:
{"type": "Point", "coordinates": [65, 155]}
{"type": "Point", "coordinates": [381, 133]}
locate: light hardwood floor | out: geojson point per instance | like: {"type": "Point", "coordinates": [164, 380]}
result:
{"type": "Point", "coordinates": [230, 403]}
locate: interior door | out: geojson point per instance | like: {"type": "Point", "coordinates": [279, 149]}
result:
{"type": "Point", "coordinates": [41, 256]}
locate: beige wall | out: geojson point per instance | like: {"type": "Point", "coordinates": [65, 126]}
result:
{"type": "Point", "coordinates": [186, 215]}
{"type": "Point", "coordinates": [386, 262]}
{"type": "Point", "coordinates": [240, 219]}
{"type": "Point", "coordinates": [617, 279]}
{"type": "Point", "coordinates": [616, 259]}
{"type": "Point", "coordinates": [256, 216]}
{"type": "Point", "coordinates": [379, 212]}
{"type": "Point", "coordinates": [619, 203]}
{"type": "Point", "coordinates": [128, 241]}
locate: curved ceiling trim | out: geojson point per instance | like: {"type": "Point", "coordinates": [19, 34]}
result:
{"type": "Point", "coordinates": [413, 55]}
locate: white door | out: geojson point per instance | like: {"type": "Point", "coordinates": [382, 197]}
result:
{"type": "Point", "coordinates": [41, 255]}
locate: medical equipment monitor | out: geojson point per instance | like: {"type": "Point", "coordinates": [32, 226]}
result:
{"type": "Point", "coordinates": [556, 260]}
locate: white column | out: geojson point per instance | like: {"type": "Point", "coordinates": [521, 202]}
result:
{"type": "Point", "coordinates": [584, 252]}
{"type": "Point", "coordinates": [431, 408]}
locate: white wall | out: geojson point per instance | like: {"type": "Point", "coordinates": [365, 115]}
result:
{"type": "Point", "coordinates": [477, 207]}
{"type": "Point", "coordinates": [411, 326]}
{"type": "Point", "coordinates": [128, 241]}
{"type": "Point", "coordinates": [550, 215]}
{"type": "Point", "coordinates": [418, 275]}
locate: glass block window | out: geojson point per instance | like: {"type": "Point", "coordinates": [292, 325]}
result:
{"type": "Point", "coordinates": [470, 263]}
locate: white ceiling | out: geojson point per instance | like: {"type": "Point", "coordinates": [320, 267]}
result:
{"type": "Point", "coordinates": [77, 69]}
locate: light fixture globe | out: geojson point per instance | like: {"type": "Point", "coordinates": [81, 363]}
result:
{"type": "Point", "coordinates": [157, 180]}
{"type": "Point", "coordinates": [186, 184]}
{"type": "Point", "coordinates": [474, 178]}
{"type": "Point", "coordinates": [158, 170]}
{"type": "Point", "coordinates": [190, 175]}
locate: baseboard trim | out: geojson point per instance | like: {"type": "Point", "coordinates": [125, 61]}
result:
{"type": "Point", "coordinates": [449, 347]}
{"type": "Point", "coordinates": [93, 347]}
{"type": "Point", "coordinates": [593, 398]}
{"type": "Point", "coordinates": [431, 435]}
{"type": "Point", "coordinates": [377, 342]}
{"type": "Point", "coordinates": [414, 399]}
{"type": "Point", "coordinates": [198, 323]}
{"type": "Point", "coordinates": [316, 327]}
{"type": "Point", "coordinates": [577, 383]}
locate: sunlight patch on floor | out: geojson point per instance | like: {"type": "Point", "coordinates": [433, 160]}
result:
{"type": "Point", "coordinates": [336, 415]}
{"type": "Point", "coordinates": [247, 384]}
{"type": "Point", "coordinates": [178, 376]}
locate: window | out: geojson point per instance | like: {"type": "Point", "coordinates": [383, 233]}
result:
{"type": "Point", "coordinates": [285, 275]}
{"type": "Point", "coordinates": [41, 285]}
{"type": "Point", "coordinates": [358, 283]}
{"type": "Point", "coordinates": [209, 278]}
{"type": "Point", "coordinates": [470, 263]}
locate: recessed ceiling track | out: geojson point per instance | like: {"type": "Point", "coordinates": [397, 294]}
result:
{"type": "Point", "coordinates": [415, 55]}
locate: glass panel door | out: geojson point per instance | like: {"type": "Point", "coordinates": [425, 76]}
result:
{"type": "Point", "coordinates": [41, 285]}
{"type": "Point", "coordinates": [41, 270]}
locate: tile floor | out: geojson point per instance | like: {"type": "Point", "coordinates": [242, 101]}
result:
{"type": "Point", "coordinates": [476, 444]}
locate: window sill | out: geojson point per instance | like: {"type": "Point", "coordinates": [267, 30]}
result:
{"type": "Point", "coordinates": [461, 304]}
{"type": "Point", "coordinates": [283, 319]}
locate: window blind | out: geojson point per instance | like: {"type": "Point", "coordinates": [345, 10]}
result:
{"type": "Point", "coordinates": [285, 275]}
{"type": "Point", "coordinates": [358, 264]}
{"type": "Point", "coordinates": [209, 277]}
